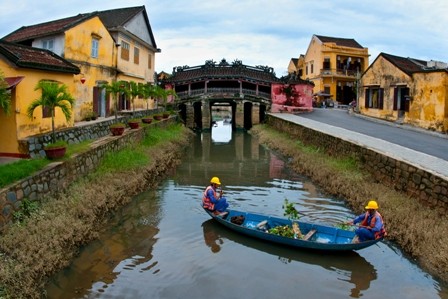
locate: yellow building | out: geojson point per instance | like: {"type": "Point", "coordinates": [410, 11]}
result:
{"type": "Point", "coordinates": [406, 90]}
{"type": "Point", "coordinates": [333, 64]}
{"type": "Point", "coordinates": [84, 41]}
{"type": "Point", "coordinates": [23, 67]}
{"type": "Point", "coordinates": [137, 47]}
{"type": "Point", "coordinates": [107, 45]}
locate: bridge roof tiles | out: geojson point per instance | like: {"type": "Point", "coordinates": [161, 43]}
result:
{"type": "Point", "coordinates": [228, 72]}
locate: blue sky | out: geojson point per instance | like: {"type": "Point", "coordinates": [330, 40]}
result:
{"type": "Point", "coordinates": [262, 32]}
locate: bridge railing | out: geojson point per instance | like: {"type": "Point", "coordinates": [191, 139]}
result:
{"type": "Point", "coordinates": [217, 90]}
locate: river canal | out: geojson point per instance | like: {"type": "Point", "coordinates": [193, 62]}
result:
{"type": "Point", "coordinates": [163, 245]}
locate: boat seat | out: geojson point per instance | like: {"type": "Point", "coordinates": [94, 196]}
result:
{"type": "Point", "coordinates": [309, 234]}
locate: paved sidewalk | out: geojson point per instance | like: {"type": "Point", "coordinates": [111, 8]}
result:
{"type": "Point", "coordinates": [7, 160]}
{"type": "Point", "coordinates": [412, 157]}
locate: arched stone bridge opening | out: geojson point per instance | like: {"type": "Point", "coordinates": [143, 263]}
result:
{"type": "Point", "coordinates": [239, 93]}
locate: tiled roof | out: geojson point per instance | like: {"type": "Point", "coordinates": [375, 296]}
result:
{"type": "Point", "coordinates": [224, 72]}
{"type": "Point", "coordinates": [344, 42]}
{"type": "Point", "coordinates": [112, 19]}
{"type": "Point", "coordinates": [34, 58]}
{"type": "Point", "coordinates": [44, 29]}
{"type": "Point", "coordinates": [118, 17]}
{"type": "Point", "coordinates": [407, 65]}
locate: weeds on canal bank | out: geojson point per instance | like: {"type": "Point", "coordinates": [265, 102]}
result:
{"type": "Point", "coordinates": [417, 229]}
{"type": "Point", "coordinates": [47, 240]}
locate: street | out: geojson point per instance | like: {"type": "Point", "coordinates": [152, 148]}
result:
{"type": "Point", "coordinates": [424, 141]}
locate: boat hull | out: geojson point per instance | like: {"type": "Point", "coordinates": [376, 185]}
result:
{"type": "Point", "coordinates": [323, 237]}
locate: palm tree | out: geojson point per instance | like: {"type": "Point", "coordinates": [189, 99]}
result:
{"type": "Point", "coordinates": [5, 96]}
{"type": "Point", "coordinates": [134, 91]}
{"type": "Point", "coordinates": [147, 92]}
{"type": "Point", "coordinates": [163, 94]}
{"type": "Point", "coordinates": [54, 95]}
{"type": "Point", "coordinates": [114, 88]}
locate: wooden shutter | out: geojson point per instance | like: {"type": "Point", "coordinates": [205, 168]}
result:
{"type": "Point", "coordinates": [395, 98]}
{"type": "Point", "coordinates": [96, 100]}
{"type": "Point", "coordinates": [380, 98]}
{"type": "Point", "coordinates": [366, 99]}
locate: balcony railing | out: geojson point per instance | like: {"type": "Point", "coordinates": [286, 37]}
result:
{"type": "Point", "coordinates": [235, 92]}
{"type": "Point", "coordinates": [338, 73]}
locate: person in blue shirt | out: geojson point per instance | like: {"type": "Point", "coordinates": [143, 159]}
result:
{"type": "Point", "coordinates": [371, 225]}
{"type": "Point", "coordinates": [213, 199]}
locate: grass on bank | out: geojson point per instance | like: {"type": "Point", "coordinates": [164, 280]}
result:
{"type": "Point", "coordinates": [47, 240]}
{"type": "Point", "coordinates": [16, 171]}
{"type": "Point", "coordinates": [414, 226]}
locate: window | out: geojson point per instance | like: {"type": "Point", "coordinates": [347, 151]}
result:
{"type": "Point", "coordinates": [124, 50]}
{"type": "Point", "coordinates": [46, 112]}
{"type": "Point", "coordinates": [312, 68]}
{"type": "Point", "coordinates": [326, 65]}
{"type": "Point", "coordinates": [48, 44]}
{"type": "Point", "coordinates": [149, 61]}
{"type": "Point", "coordinates": [95, 43]}
{"type": "Point", "coordinates": [136, 55]}
{"type": "Point", "coordinates": [374, 97]}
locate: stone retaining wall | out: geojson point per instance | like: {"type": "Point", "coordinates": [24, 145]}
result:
{"type": "Point", "coordinates": [415, 182]}
{"type": "Point", "coordinates": [34, 146]}
{"type": "Point", "coordinates": [58, 175]}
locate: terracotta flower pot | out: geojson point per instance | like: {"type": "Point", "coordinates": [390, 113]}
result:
{"type": "Point", "coordinates": [157, 117]}
{"type": "Point", "coordinates": [133, 124]}
{"type": "Point", "coordinates": [165, 115]}
{"type": "Point", "coordinates": [147, 120]}
{"type": "Point", "coordinates": [117, 131]}
{"type": "Point", "coordinates": [55, 152]}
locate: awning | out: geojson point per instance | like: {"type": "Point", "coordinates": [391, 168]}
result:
{"type": "Point", "coordinates": [13, 81]}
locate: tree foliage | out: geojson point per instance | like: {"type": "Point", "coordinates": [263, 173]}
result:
{"type": "Point", "coordinates": [54, 95]}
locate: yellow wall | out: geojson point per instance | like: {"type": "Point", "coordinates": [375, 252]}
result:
{"type": "Point", "coordinates": [141, 72]}
{"type": "Point", "coordinates": [374, 76]}
{"type": "Point", "coordinates": [17, 125]}
{"type": "Point", "coordinates": [428, 90]}
{"type": "Point", "coordinates": [78, 44]}
{"type": "Point", "coordinates": [429, 104]}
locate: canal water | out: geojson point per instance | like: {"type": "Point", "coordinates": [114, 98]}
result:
{"type": "Point", "coordinates": [163, 245]}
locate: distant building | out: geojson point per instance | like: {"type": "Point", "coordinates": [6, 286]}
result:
{"type": "Point", "coordinates": [334, 64]}
{"type": "Point", "coordinates": [406, 90]}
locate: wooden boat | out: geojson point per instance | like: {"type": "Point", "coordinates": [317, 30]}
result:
{"type": "Point", "coordinates": [314, 236]}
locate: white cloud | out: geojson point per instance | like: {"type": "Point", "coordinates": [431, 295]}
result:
{"type": "Point", "coordinates": [262, 32]}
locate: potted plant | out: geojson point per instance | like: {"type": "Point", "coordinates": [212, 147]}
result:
{"type": "Point", "coordinates": [146, 119]}
{"type": "Point", "coordinates": [117, 129]}
{"type": "Point", "coordinates": [157, 116]}
{"type": "Point", "coordinates": [55, 150]}
{"type": "Point", "coordinates": [134, 123]}
{"type": "Point", "coordinates": [54, 95]}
